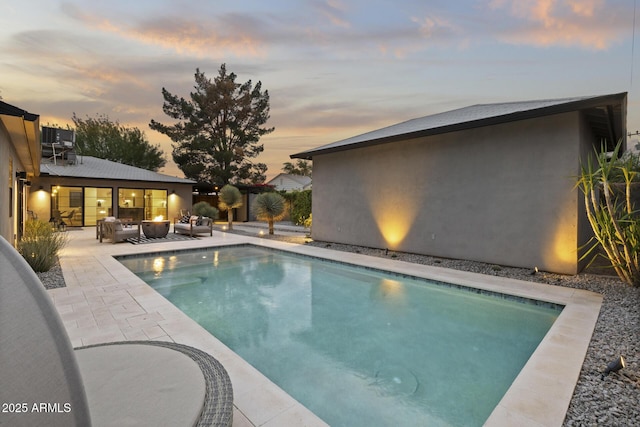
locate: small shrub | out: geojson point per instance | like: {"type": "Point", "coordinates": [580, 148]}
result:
{"type": "Point", "coordinates": [40, 244]}
{"type": "Point", "coordinates": [308, 222]}
{"type": "Point", "coordinates": [300, 206]}
{"type": "Point", "coordinates": [205, 209]}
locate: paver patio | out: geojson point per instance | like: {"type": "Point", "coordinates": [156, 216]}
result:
{"type": "Point", "coordinates": [105, 302]}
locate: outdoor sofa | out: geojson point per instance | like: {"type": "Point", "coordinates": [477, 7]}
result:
{"type": "Point", "coordinates": [193, 225]}
{"type": "Point", "coordinates": [119, 230]}
{"type": "Point", "coordinates": [45, 381]}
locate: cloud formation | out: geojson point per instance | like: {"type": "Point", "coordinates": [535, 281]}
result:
{"type": "Point", "coordinates": [227, 34]}
{"type": "Point", "coordinates": [590, 24]}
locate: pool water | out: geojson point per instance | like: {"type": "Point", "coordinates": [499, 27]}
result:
{"type": "Point", "coordinates": [356, 346]}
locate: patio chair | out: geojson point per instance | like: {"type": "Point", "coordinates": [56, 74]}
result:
{"type": "Point", "coordinates": [68, 216]}
{"type": "Point", "coordinates": [46, 382]}
{"type": "Point", "coordinates": [119, 231]}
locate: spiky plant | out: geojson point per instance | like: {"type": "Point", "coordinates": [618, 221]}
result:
{"type": "Point", "coordinates": [229, 198]}
{"type": "Point", "coordinates": [269, 207]}
{"type": "Point", "coordinates": [40, 244]}
{"type": "Point", "coordinates": [611, 213]}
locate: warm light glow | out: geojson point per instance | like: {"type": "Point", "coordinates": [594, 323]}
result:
{"type": "Point", "coordinates": [391, 287]}
{"type": "Point", "coordinates": [391, 293]}
{"type": "Point", "coordinates": [395, 220]}
{"type": "Point", "coordinates": [158, 265]}
{"type": "Point", "coordinates": [158, 218]}
{"type": "Point", "coordinates": [224, 228]}
{"type": "Point", "coordinates": [261, 233]}
{"type": "Point", "coordinates": [394, 209]}
{"type": "Point", "coordinates": [562, 251]}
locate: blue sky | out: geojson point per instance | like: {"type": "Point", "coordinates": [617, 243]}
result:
{"type": "Point", "coordinates": [333, 68]}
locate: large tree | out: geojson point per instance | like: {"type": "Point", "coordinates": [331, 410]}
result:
{"type": "Point", "coordinates": [218, 129]}
{"type": "Point", "coordinates": [105, 139]}
{"type": "Point", "coordinates": [302, 167]}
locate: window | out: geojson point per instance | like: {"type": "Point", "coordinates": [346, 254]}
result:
{"type": "Point", "coordinates": [66, 205]}
{"type": "Point", "coordinates": [139, 204]}
{"type": "Point", "coordinates": [97, 204]}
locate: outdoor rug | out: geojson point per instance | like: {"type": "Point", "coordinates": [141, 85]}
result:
{"type": "Point", "coordinates": [171, 237]}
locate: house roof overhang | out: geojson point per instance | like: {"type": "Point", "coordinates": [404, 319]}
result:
{"type": "Point", "coordinates": [606, 115]}
{"type": "Point", "coordinates": [24, 134]}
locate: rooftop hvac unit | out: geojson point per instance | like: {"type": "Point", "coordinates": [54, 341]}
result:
{"type": "Point", "coordinates": [58, 144]}
{"type": "Point", "coordinates": [64, 137]}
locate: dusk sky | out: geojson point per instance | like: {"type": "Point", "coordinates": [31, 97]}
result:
{"type": "Point", "coordinates": [333, 68]}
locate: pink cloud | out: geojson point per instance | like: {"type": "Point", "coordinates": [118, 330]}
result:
{"type": "Point", "coordinates": [230, 35]}
{"type": "Point", "coordinates": [334, 11]}
{"type": "Point", "coordinates": [589, 24]}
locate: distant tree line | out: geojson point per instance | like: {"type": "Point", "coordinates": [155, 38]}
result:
{"type": "Point", "coordinates": [100, 137]}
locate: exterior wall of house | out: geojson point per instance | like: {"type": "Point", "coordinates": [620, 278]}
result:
{"type": "Point", "coordinates": [500, 194]}
{"type": "Point", "coordinates": [39, 200]}
{"type": "Point", "coordinates": [9, 164]}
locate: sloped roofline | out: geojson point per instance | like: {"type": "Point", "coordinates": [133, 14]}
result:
{"type": "Point", "coordinates": [24, 133]}
{"type": "Point", "coordinates": [474, 116]}
{"type": "Point", "coordinates": [300, 179]}
{"type": "Point", "coordinates": [89, 167]}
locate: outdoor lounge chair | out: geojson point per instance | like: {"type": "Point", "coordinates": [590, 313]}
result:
{"type": "Point", "coordinates": [46, 382]}
{"type": "Point", "coordinates": [119, 231]}
{"type": "Point", "coordinates": [195, 225]}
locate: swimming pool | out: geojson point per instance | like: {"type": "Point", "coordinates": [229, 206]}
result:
{"type": "Point", "coordinates": [356, 346]}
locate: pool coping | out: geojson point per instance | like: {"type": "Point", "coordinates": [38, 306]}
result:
{"type": "Point", "coordinates": [539, 396]}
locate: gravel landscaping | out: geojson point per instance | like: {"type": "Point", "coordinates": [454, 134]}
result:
{"type": "Point", "coordinates": [612, 401]}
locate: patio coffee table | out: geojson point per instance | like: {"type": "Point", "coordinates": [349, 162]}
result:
{"type": "Point", "coordinates": [155, 229]}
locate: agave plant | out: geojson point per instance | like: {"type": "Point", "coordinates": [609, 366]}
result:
{"type": "Point", "coordinates": [611, 213]}
{"type": "Point", "coordinates": [269, 207]}
{"type": "Point", "coordinates": [229, 198]}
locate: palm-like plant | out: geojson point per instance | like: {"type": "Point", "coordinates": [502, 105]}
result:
{"type": "Point", "coordinates": [229, 198]}
{"type": "Point", "coordinates": [269, 207]}
{"type": "Point", "coordinates": [613, 217]}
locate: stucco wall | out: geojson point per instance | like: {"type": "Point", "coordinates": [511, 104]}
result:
{"type": "Point", "coordinates": [502, 194]}
{"type": "Point", "coordinates": [39, 201]}
{"type": "Point", "coordinates": [7, 180]}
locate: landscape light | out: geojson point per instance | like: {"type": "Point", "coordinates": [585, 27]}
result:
{"type": "Point", "coordinates": [614, 366]}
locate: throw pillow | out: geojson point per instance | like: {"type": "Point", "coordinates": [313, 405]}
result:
{"type": "Point", "coordinates": [184, 219]}
{"type": "Point", "coordinates": [199, 220]}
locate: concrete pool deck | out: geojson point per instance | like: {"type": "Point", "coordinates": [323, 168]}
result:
{"type": "Point", "coordinates": [104, 302]}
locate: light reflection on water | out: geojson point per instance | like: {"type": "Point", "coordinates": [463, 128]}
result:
{"type": "Point", "coordinates": [356, 346]}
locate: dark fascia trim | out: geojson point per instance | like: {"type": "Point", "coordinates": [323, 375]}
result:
{"type": "Point", "coordinates": [10, 110]}
{"type": "Point", "coordinates": [49, 175]}
{"type": "Point", "coordinates": [581, 104]}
